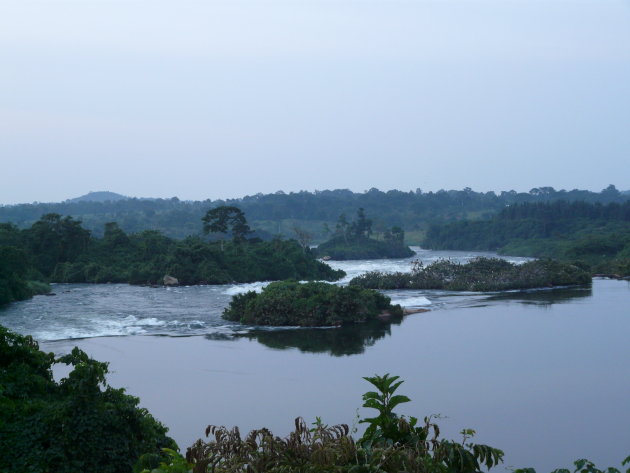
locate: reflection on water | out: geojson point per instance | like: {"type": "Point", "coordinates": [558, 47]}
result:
{"type": "Point", "coordinates": [541, 297]}
{"type": "Point", "coordinates": [338, 341]}
{"type": "Point", "coordinates": [354, 339]}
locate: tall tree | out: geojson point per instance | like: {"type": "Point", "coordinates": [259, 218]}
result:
{"type": "Point", "coordinates": [226, 219]}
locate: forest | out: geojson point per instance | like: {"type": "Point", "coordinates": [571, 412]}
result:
{"type": "Point", "coordinates": [593, 235]}
{"type": "Point", "coordinates": [60, 249]}
{"type": "Point", "coordinates": [313, 212]}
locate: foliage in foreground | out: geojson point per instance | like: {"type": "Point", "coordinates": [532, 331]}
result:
{"type": "Point", "coordinates": [391, 443]}
{"type": "Point", "coordinates": [79, 424]}
{"type": "Point", "coordinates": [313, 304]}
{"type": "Point", "coordinates": [480, 274]}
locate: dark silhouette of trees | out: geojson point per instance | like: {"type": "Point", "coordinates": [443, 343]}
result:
{"type": "Point", "coordinates": [226, 219]}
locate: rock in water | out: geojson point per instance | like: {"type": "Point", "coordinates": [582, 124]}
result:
{"type": "Point", "coordinates": [170, 281]}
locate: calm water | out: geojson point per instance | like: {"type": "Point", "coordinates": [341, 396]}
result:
{"type": "Point", "coordinates": [543, 375]}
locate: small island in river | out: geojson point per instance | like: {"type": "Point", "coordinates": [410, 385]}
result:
{"type": "Point", "coordinates": [312, 304]}
{"type": "Point", "coordinates": [479, 274]}
{"type": "Point", "coordinates": [351, 241]}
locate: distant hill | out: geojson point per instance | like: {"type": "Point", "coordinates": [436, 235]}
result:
{"type": "Point", "coordinates": [101, 196]}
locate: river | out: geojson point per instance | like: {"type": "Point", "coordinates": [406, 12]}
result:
{"type": "Point", "coordinates": [541, 374]}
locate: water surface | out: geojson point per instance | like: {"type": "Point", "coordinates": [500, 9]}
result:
{"type": "Point", "coordinates": [541, 374]}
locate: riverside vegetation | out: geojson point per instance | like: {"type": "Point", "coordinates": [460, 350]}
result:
{"type": "Point", "coordinates": [313, 304]}
{"type": "Point", "coordinates": [480, 274]}
{"type": "Point", "coordinates": [59, 249]}
{"type": "Point", "coordinates": [592, 235]}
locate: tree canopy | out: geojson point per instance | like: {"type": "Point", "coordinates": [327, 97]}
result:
{"type": "Point", "coordinates": [77, 424]}
{"type": "Point", "coordinates": [226, 219]}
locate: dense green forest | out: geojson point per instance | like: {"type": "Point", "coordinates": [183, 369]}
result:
{"type": "Point", "coordinates": [79, 424]}
{"type": "Point", "coordinates": [281, 213]}
{"type": "Point", "coordinates": [596, 236]}
{"type": "Point", "coordinates": [351, 240]}
{"type": "Point", "coordinates": [59, 249]}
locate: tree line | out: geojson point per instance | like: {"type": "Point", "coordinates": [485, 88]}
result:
{"type": "Point", "coordinates": [595, 235]}
{"type": "Point", "coordinates": [279, 212]}
{"type": "Point", "coordinates": [60, 249]}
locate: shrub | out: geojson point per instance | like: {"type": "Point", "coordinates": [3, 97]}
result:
{"type": "Point", "coordinates": [391, 443]}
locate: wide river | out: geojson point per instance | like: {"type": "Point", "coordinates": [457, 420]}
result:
{"type": "Point", "coordinates": [543, 375]}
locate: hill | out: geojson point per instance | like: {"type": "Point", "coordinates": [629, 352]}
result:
{"type": "Point", "coordinates": [100, 196]}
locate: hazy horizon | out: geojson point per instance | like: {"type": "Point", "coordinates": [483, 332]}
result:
{"type": "Point", "coordinates": [223, 99]}
{"type": "Point", "coordinates": [497, 191]}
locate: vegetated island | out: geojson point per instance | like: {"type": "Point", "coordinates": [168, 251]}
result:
{"type": "Point", "coordinates": [351, 240]}
{"type": "Point", "coordinates": [479, 274]}
{"type": "Point", "coordinates": [58, 249]}
{"type": "Point", "coordinates": [312, 304]}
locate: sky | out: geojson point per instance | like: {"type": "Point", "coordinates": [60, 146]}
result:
{"type": "Point", "coordinates": [221, 99]}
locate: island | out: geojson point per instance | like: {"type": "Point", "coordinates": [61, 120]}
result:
{"type": "Point", "coordinates": [479, 274]}
{"type": "Point", "coordinates": [352, 241]}
{"type": "Point", "coordinates": [311, 304]}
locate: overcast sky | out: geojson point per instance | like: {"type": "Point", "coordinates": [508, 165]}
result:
{"type": "Point", "coordinates": [217, 99]}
